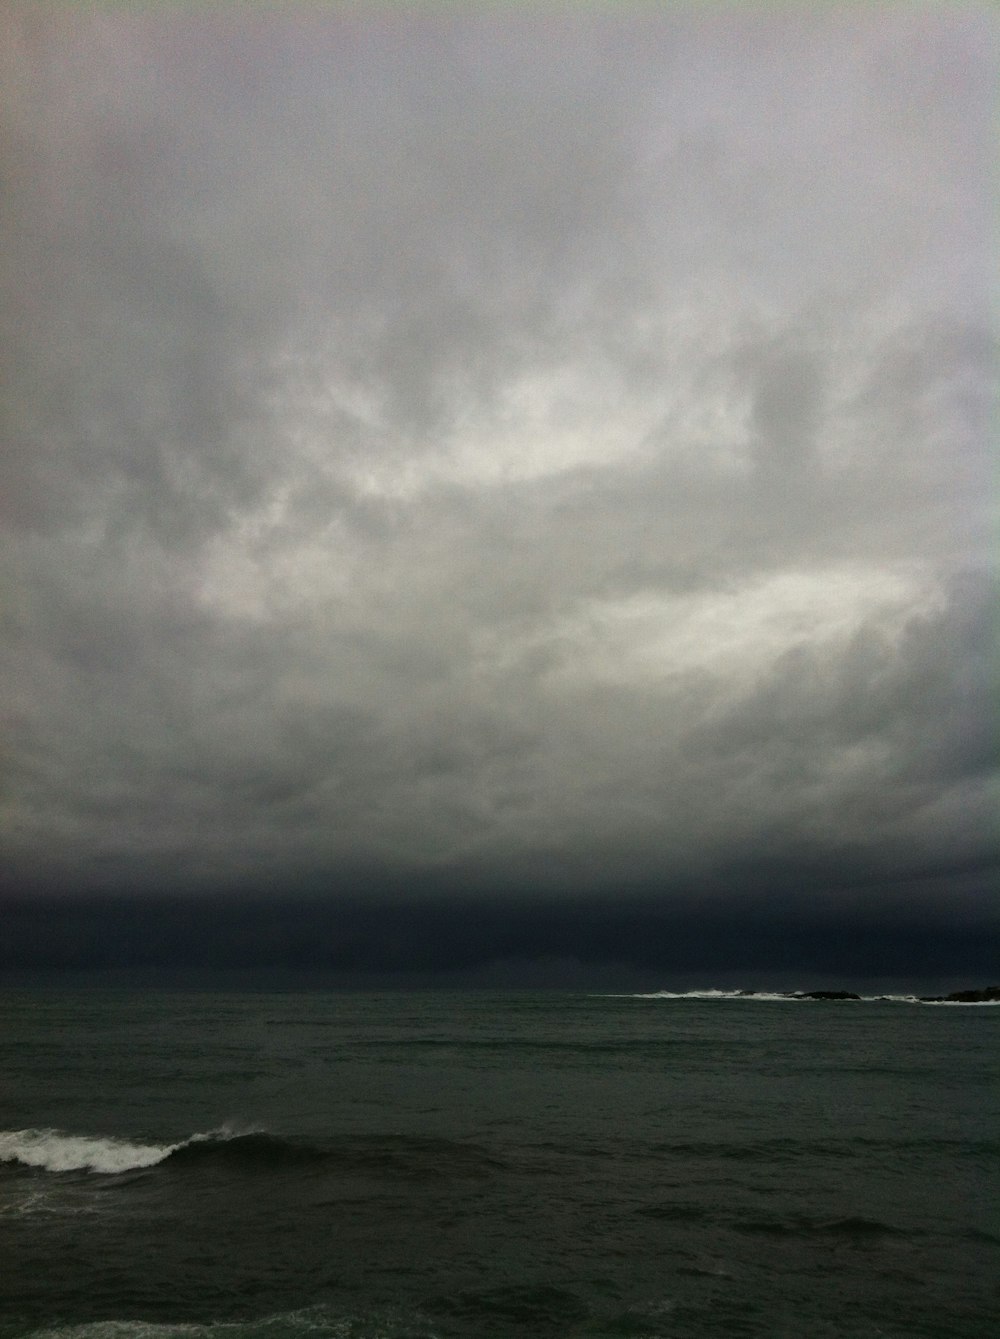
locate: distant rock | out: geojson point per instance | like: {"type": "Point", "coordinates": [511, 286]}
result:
{"type": "Point", "coordinates": [824, 995]}
{"type": "Point", "coordinates": [988, 995]}
{"type": "Point", "coordinates": [799, 994]}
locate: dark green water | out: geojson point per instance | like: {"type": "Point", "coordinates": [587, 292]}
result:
{"type": "Point", "coordinates": [464, 1165]}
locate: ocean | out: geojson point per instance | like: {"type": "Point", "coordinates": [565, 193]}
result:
{"type": "Point", "coordinates": [462, 1165]}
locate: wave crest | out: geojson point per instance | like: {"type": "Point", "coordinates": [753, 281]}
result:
{"type": "Point", "coordinates": [56, 1151]}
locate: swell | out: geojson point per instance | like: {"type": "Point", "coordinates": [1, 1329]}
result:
{"type": "Point", "coordinates": [853, 1228]}
{"type": "Point", "coordinates": [254, 1149]}
{"type": "Point", "coordinates": [788, 1149]}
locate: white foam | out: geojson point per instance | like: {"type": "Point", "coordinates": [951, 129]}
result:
{"type": "Point", "coordinates": [120, 1329]}
{"type": "Point", "coordinates": [58, 1152]}
{"type": "Point", "coordinates": [318, 1320]}
{"type": "Point", "coordinates": [709, 995]}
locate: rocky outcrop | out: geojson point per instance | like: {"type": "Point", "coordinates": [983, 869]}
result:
{"type": "Point", "coordinates": [984, 995]}
{"type": "Point", "coordinates": [803, 994]}
{"type": "Point", "coordinates": [824, 995]}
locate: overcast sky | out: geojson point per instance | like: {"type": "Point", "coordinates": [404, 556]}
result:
{"type": "Point", "coordinates": [500, 447]}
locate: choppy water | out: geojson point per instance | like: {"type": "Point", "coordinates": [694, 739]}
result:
{"type": "Point", "coordinates": [465, 1165]}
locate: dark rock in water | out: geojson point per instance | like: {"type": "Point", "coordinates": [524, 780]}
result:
{"type": "Point", "coordinates": [988, 995]}
{"type": "Point", "coordinates": [826, 995]}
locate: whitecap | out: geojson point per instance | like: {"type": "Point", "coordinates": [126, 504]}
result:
{"type": "Point", "coordinates": [711, 994]}
{"type": "Point", "coordinates": [318, 1321]}
{"type": "Point", "coordinates": [56, 1151]}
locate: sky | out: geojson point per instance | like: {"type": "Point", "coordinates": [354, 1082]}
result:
{"type": "Point", "coordinates": [500, 484]}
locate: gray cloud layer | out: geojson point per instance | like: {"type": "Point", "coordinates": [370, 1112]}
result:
{"type": "Point", "coordinates": [541, 449]}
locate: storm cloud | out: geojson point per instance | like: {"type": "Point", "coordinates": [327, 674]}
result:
{"type": "Point", "coordinates": [498, 453]}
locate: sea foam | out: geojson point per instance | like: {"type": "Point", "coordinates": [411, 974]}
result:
{"type": "Point", "coordinates": [56, 1151]}
{"type": "Point", "coordinates": [318, 1322]}
{"type": "Point", "coordinates": [710, 995]}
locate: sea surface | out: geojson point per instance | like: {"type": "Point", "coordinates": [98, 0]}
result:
{"type": "Point", "coordinates": [381, 1166]}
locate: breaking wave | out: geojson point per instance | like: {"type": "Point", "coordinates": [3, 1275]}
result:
{"type": "Point", "coordinates": [710, 995]}
{"type": "Point", "coordinates": [56, 1151]}
{"type": "Point", "coordinates": [249, 1151]}
{"type": "Point", "coordinates": [318, 1322]}
{"type": "Point", "coordinates": [804, 996]}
